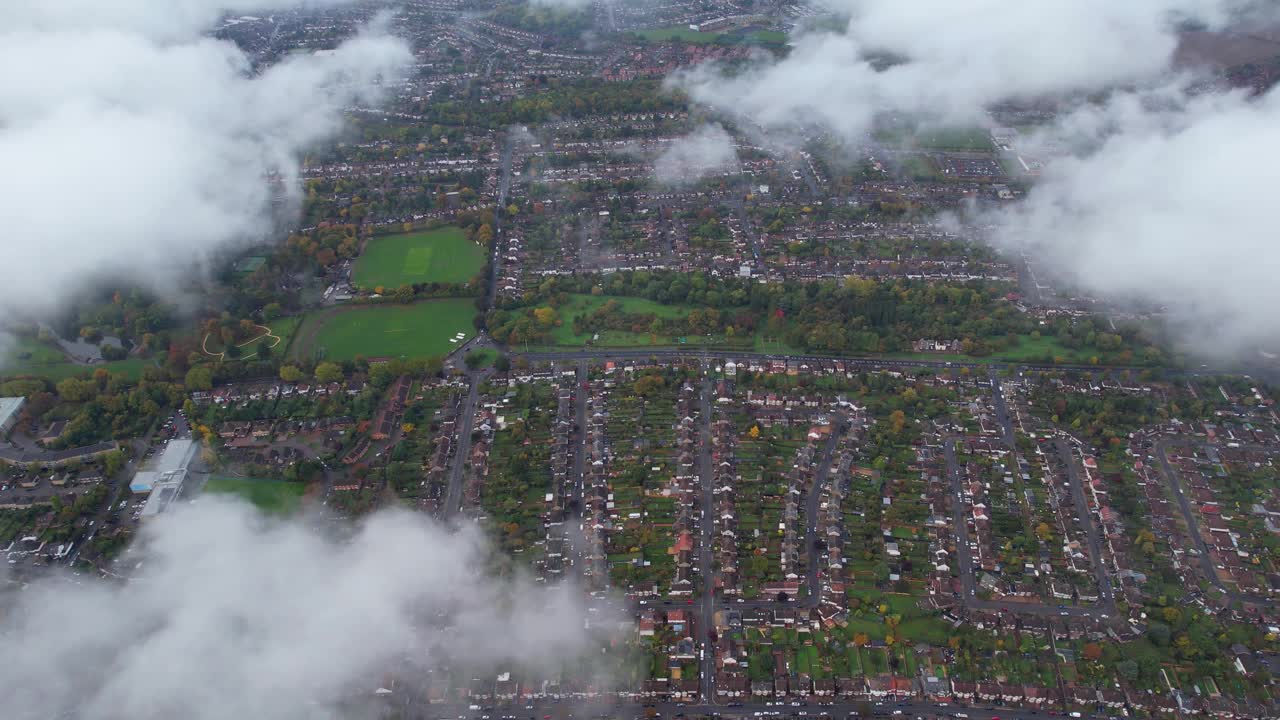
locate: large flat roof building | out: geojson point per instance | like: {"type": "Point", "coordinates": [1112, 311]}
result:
{"type": "Point", "coordinates": [10, 408]}
{"type": "Point", "coordinates": [164, 479]}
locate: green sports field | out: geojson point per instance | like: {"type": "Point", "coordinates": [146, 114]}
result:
{"type": "Point", "coordinates": [443, 256]}
{"type": "Point", "coordinates": [275, 497]}
{"type": "Point", "coordinates": [420, 330]}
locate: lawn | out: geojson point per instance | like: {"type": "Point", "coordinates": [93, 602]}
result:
{"type": "Point", "coordinates": [275, 497]}
{"type": "Point", "coordinates": [684, 34]}
{"type": "Point", "coordinates": [420, 330]}
{"type": "Point", "coordinates": [972, 139]}
{"type": "Point", "coordinates": [29, 356]}
{"type": "Point", "coordinates": [281, 335]}
{"type": "Point", "coordinates": [486, 356]}
{"type": "Point", "coordinates": [564, 336]}
{"type": "Point", "coordinates": [1034, 350]}
{"type": "Point", "coordinates": [442, 256]}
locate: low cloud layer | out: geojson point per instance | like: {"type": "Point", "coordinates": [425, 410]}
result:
{"type": "Point", "coordinates": [135, 147]}
{"type": "Point", "coordinates": [942, 61]}
{"type": "Point", "coordinates": [563, 4]}
{"type": "Point", "coordinates": [707, 151]}
{"type": "Point", "coordinates": [174, 20]}
{"type": "Point", "coordinates": [1171, 207]}
{"type": "Point", "coordinates": [229, 616]}
{"type": "Point", "coordinates": [1161, 195]}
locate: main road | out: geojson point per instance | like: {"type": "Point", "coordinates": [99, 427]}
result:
{"type": "Point", "coordinates": [629, 710]}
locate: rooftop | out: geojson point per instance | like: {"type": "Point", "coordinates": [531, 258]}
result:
{"type": "Point", "coordinates": [176, 456]}
{"type": "Point", "coordinates": [9, 407]}
{"type": "Point", "coordinates": [165, 478]}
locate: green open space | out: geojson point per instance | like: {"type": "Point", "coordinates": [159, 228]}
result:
{"type": "Point", "coordinates": [684, 33]}
{"type": "Point", "coordinates": [250, 264]}
{"type": "Point", "coordinates": [1038, 349]}
{"type": "Point", "coordinates": [972, 139]}
{"type": "Point", "coordinates": [482, 358]}
{"type": "Point", "coordinates": [442, 256]}
{"type": "Point", "coordinates": [1027, 348]}
{"type": "Point", "coordinates": [275, 497]}
{"type": "Point", "coordinates": [281, 328]}
{"type": "Point", "coordinates": [423, 329]}
{"type": "Point", "coordinates": [30, 356]}
{"type": "Point", "coordinates": [564, 336]}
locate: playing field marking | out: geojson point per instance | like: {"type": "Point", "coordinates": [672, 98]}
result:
{"type": "Point", "coordinates": [417, 260]}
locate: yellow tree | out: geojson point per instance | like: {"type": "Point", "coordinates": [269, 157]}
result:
{"type": "Point", "coordinates": [545, 316]}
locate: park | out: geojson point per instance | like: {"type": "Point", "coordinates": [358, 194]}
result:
{"type": "Point", "coordinates": [435, 256]}
{"type": "Point", "coordinates": [425, 329]}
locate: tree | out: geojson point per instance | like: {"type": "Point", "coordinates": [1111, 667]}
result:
{"type": "Point", "coordinates": [502, 363]}
{"type": "Point", "coordinates": [112, 463]}
{"type": "Point", "coordinates": [327, 372]}
{"type": "Point", "coordinates": [546, 316]}
{"type": "Point", "coordinates": [474, 360]}
{"type": "Point", "coordinates": [75, 390]}
{"type": "Point", "coordinates": [199, 378]}
{"type": "Point", "coordinates": [1092, 652]}
{"type": "Point", "coordinates": [1159, 634]}
{"type": "Point", "coordinates": [897, 421]}
{"type": "Point", "coordinates": [290, 374]}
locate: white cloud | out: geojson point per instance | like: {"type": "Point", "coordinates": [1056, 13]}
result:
{"type": "Point", "coordinates": [563, 4]}
{"type": "Point", "coordinates": [953, 59]}
{"type": "Point", "coordinates": [706, 151]}
{"type": "Point", "coordinates": [173, 20]}
{"type": "Point", "coordinates": [233, 616]}
{"type": "Point", "coordinates": [1174, 207]}
{"type": "Point", "coordinates": [134, 146]}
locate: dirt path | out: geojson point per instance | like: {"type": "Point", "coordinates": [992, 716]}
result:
{"type": "Point", "coordinates": [266, 333]}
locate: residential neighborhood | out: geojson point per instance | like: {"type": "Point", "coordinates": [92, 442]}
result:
{"type": "Point", "coordinates": [715, 359]}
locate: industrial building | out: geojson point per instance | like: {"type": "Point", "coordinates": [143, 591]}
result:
{"type": "Point", "coordinates": [166, 476]}
{"type": "Point", "coordinates": [10, 408]}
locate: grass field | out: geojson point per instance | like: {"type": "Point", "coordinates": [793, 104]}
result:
{"type": "Point", "coordinates": [420, 330]}
{"type": "Point", "coordinates": [275, 497]}
{"type": "Point", "coordinates": [684, 34]}
{"type": "Point", "coordinates": [443, 256]}
{"type": "Point", "coordinates": [973, 139]}
{"type": "Point", "coordinates": [282, 328]}
{"type": "Point", "coordinates": [564, 336]}
{"type": "Point", "coordinates": [1031, 349]}
{"type": "Point", "coordinates": [32, 357]}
